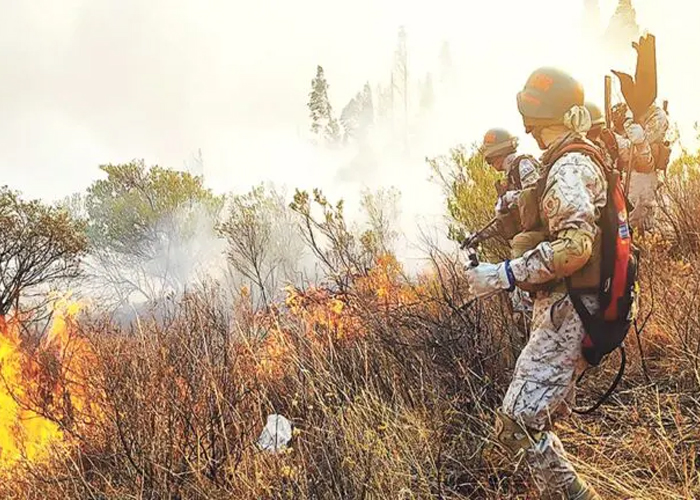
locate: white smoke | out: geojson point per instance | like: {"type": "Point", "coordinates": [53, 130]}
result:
{"type": "Point", "coordinates": [89, 82]}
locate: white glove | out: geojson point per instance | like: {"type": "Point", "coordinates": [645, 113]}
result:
{"type": "Point", "coordinates": [500, 206]}
{"type": "Point", "coordinates": [505, 202]}
{"type": "Point", "coordinates": [487, 279]}
{"type": "Point", "coordinates": [634, 132]}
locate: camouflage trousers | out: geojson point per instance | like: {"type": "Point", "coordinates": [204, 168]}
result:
{"type": "Point", "coordinates": [522, 311]}
{"type": "Point", "coordinates": [543, 385]}
{"type": "Point", "coordinates": [642, 195]}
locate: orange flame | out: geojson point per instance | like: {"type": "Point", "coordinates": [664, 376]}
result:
{"type": "Point", "coordinates": [26, 431]}
{"type": "Point", "coordinates": [332, 318]}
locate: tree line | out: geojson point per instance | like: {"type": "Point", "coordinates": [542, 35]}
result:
{"type": "Point", "coordinates": [392, 103]}
{"type": "Point", "coordinates": [143, 232]}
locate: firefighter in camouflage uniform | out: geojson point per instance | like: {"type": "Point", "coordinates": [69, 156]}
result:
{"type": "Point", "coordinates": [567, 208]}
{"type": "Point", "coordinates": [500, 150]}
{"type": "Point", "coordinates": [643, 145]}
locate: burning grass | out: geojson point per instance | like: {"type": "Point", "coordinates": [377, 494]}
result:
{"type": "Point", "coordinates": [23, 433]}
{"type": "Point", "coordinates": [44, 397]}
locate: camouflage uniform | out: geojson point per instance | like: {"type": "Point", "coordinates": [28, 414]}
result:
{"type": "Point", "coordinates": [560, 232]}
{"type": "Point", "coordinates": [528, 174]}
{"type": "Point", "coordinates": [643, 178]}
{"type": "Point", "coordinates": [521, 300]}
{"type": "Point", "coordinates": [546, 371]}
{"type": "Point", "coordinates": [527, 170]}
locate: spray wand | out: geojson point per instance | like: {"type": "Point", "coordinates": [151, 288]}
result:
{"type": "Point", "coordinates": [469, 243]}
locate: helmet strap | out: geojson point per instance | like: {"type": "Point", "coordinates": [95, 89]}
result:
{"type": "Point", "coordinates": [552, 134]}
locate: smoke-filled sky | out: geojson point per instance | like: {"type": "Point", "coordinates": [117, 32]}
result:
{"type": "Point", "coordinates": [86, 82]}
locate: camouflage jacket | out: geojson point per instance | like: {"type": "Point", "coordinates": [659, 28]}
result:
{"type": "Point", "coordinates": [653, 130]}
{"type": "Point", "coordinates": [521, 175]}
{"type": "Point", "coordinates": [522, 171]}
{"type": "Point", "coordinates": [574, 193]}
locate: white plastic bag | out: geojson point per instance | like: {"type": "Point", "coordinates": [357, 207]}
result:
{"type": "Point", "coordinates": [276, 434]}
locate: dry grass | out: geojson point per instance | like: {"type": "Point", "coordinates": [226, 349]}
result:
{"type": "Point", "coordinates": [391, 395]}
{"type": "Point", "coordinates": [391, 389]}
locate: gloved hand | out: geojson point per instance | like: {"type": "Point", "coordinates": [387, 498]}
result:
{"type": "Point", "coordinates": [634, 132]}
{"type": "Point", "coordinates": [467, 238]}
{"type": "Point", "coordinates": [506, 201]}
{"type": "Point", "coordinates": [486, 279]}
{"type": "Point", "coordinates": [500, 206]}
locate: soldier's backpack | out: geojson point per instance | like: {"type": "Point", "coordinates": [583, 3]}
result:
{"type": "Point", "coordinates": [509, 222]}
{"type": "Point", "coordinates": [661, 151]}
{"type": "Point", "coordinates": [608, 140]}
{"type": "Point", "coordinates": [607, 328]}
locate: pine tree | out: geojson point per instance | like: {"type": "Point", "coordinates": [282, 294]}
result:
{"type": "Point", "coordinates": [321, 113]}
{"type": "Point", "coordinates": [349, 118]}
{"type": "Point", "coordinates": [383, 108]}
{"type": "Point", "coordinates": [401, 68]}
{"type": "Point", "coordinates": [399, 83]}
{"type": "Point", "coordinates": [366, 119]}
{"type": "Point", "coordinates": [358, 115]}
{"type": "Point", "coordinates": [332, 131]}
{"type": "Point", "coordinates": [318, 100]}
{"type": "Point", "coordinates": [427, 97]}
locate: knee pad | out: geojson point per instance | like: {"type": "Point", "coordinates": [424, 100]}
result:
{"type": "Point", "coordinates": [512, 435]}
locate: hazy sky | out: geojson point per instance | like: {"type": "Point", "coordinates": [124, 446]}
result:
{"type": "Point", "coordinates": [86, 82]}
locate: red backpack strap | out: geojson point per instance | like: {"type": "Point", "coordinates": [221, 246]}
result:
{"type": "Point", "coordinates": [607, 137]}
